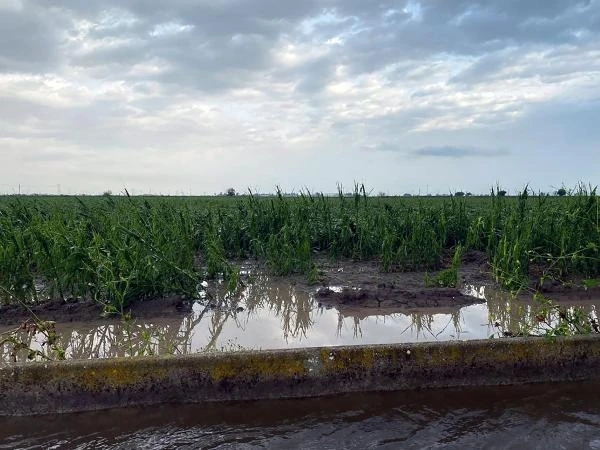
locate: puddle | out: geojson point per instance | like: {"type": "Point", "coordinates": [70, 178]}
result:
{"type": "Point", "coordinates": [274, 314]}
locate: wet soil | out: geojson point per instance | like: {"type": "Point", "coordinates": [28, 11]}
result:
{"type": "Point", "coordinates": [567, 292]}
{"type": "Point", "coordinates": [359, 286]}
{"type": "Point", "coordinates": [473, 270]}
{"type": "Point", "coordinates": [84, 311]}
{"type": "Point", "coordinates": [363, 285]}
{"type": "Point", "coordinates": [390, 296]}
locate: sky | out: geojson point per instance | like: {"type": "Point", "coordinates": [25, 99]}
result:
{"type": "Point", "coordinates": [197, 96]}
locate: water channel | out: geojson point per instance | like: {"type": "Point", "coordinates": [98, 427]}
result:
{"type": "Point", "coordinates": [541, 416]}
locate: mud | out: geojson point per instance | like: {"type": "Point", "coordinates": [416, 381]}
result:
{"type": "Point", "coordinates": [474, 270]}
{"type": "Point", "coordinates": [84, 311]}
{"type": "Point", "coordinates": [568, 292]}
{"type": "Point", "coordinates": [390, 296]}
{"type": "Point", "coordinates": [346, 285]}
{"type": "Point", "coordinates": [363, 285]}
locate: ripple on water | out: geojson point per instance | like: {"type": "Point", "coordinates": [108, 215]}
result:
{"type": "Point", "coordinates": [536, 416]}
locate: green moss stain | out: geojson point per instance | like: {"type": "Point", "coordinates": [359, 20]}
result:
{"type": "Point", "coordinates": [257, 366]}
{"type": "Point", "coordinates": [404, 365]}
{"type": "Point", "coordinates": [358, 359]}
{"type": "Point", "coordinates": [119, 376]}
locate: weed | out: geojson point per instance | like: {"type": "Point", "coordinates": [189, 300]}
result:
{"type": "Point", "coordinates": [447, 277]}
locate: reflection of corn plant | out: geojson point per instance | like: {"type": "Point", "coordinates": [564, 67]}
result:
{"type": "Point", "coordinates": [140, 340]}
{"type": "Point", "coordinates": [293, 306]}
{"type": "Point", "coordinates": [549, 319]}
{"type": "Point", "coordinates": [20, 339]}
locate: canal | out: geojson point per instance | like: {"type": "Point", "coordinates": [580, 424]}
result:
{"type": "Point", "coordinates": [540, 416]}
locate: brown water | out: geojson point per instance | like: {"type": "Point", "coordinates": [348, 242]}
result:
{"type": "Point", "coordinates": [540, 416]}
{"type": "Point", "coordinates": [276, 314]}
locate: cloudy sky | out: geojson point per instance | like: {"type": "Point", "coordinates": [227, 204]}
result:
{"type": "Point", "coordinates": [198, 96]}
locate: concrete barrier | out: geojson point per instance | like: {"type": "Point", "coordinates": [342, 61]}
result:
{"type": "Point", "coordinates": [80, 385]}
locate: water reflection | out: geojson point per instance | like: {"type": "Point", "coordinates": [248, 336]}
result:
{"type": "Point", "coordinates": [293, 306]}
{"type": "Point", "coordinates": [523, 313]}
{"type": "Point", "coordinates": [276, 314]}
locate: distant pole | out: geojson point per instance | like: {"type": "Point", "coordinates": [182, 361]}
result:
{"type": "Point", "coordinates": [19, 188]}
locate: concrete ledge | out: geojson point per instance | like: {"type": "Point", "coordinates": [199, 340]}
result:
{"type": "Point", "coordinates": [80, 385]}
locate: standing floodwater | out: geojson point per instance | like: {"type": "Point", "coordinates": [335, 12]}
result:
{"type": "Point", "coordinates": [272, 313]}
{"type": "Point", "coordinates": [542, 416]}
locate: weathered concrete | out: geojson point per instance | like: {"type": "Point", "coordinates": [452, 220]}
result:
{"type": "Point", "coordinates": [38, 388]}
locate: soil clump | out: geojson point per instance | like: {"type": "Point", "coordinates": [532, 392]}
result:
{"type": "Point", "coordinates": [363, 285]}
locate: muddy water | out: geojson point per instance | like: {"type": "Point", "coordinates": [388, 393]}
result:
{"type": "Point", "coordinates": [272, 314]}
{"type": "Point", "coordinates": [521, 417]}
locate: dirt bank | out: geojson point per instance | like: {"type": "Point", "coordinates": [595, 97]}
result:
{"type": "Point", "coordinates": [363, 285]}
{"type": "Point", "coordinates": [390, 296]}
{"type": "Point", "coordinates": [83, 311]}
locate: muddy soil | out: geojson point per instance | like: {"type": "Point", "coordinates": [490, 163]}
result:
{"type": "Point", "coordinates": [84, 311]}
{"type": "Point", "coordinates": [567, 292]}
{"type": "Point", "coordinates": [363, 285]}
{"type": "Point", "coordinates": [344, 285]}
{"type": "Point", "coordinates": [390, 296]}
{"type": "Point", "coordinates": [357, 284]}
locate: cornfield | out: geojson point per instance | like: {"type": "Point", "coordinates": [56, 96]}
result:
{"type": "Point", "coordinates": [118, 249]}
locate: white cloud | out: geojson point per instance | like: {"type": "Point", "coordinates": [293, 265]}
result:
{"type": "Point", "coordinates": [170, 28]}
{"type": "Point", "coordinates": [15, 5]}
{"type": "Point", "coordinates": [177, 95]}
